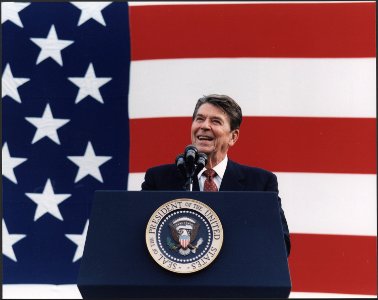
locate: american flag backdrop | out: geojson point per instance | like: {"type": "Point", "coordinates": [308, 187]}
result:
{"type": "Point", "coordinates": [94, 93]}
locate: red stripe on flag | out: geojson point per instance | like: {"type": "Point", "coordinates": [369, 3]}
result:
{"type": "Point", "coordinates": [279, 144]}
{"type": "Point", "coordinates": [253, 30]}
{"type": "Point", "coordinates": [333, 264]}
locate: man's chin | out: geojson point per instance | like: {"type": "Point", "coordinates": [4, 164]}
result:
{"type": "Point", "coordinates": [205, 149]}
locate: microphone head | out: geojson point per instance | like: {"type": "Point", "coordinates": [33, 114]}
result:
{"type": "Point", "coordinates": [202, 161]}
{"type": "Point", "coordinates": [180, 163]}
{"type": "Point", "coordinates": [191, 154]}
{"type": "Point", "coordinates": [180, 159]}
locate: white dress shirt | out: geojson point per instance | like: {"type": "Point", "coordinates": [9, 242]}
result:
{"type": "Point", "coordinates": [219, 169]}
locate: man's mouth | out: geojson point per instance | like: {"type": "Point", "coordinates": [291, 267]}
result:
{"type": "Point", "coordinates": [204, 138]}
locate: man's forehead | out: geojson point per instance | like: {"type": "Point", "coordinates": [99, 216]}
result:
{"type": "Point", "coordinates": [210, 110]}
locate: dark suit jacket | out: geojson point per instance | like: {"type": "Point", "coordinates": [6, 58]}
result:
{"type": "Point", "coordinates": [236, 178]}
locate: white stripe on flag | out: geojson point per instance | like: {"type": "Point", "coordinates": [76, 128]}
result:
{"type": "Point", "coordinates": [322, 203]}
{"type": "Point", "coordinates": [264, 86]}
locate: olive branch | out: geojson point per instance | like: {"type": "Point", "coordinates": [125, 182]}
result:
{"type": "Point", "coordinates": [171, 245]}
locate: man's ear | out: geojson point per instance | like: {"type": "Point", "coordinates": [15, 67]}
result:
{"type": "Point", "coordinates": [234, 137]}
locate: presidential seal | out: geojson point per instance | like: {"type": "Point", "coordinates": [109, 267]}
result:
{"type": "Point", "coordinates": [184, 235]}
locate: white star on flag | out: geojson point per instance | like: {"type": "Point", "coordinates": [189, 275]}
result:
{"type": "Point", "coordinates": [10, 84]}
{"type": "Point", "coordinates": [47, 126]}
{"type": "Point", "coordinates": [10, 10]}
{"type": "Point", "coordinates": [9, 163]}
{"type": "Point", "coordinates": [79, 240]}
{"type": "Point", "coordinates": [47, 202]}
{"type": "Point", "coordinates": [89, 163]}
{"type": "Point", "coordinates": [51, 46]}
{"type": "Point", "coordinates": [91, 10]}
{"type": "Point", "coordinates": [89, 85]}
{"type": "Point", "coordinates": [9, 240]}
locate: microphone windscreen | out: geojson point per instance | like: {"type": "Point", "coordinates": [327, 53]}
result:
{"type": "Point", "coordinates": [191, 153]}
{"type": "Point", "coordinates": [201, 161]}
{"type": "Point", "coordinates": [179, 159]}
{"type": "Point", "coordinates": [180, 163]}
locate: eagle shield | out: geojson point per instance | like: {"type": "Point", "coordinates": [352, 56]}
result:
{"type": "Point", "coordinates": [184, 231]}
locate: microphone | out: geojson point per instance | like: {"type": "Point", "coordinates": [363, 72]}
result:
{"type": "Point", "coordinates": [180, 163]}
{"type": "Point", "coordinates": [201, 161]}
{"type": "Point", "coordinates": [191, 154]}
{"type": "Point", "coordinates": [188, 162]}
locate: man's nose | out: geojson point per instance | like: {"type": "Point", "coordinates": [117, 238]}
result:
{"type": "Point", "coordinates": [205, 124]}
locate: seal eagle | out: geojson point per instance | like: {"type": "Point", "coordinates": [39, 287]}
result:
{"type": "Point", "coordinates": [184, 231]}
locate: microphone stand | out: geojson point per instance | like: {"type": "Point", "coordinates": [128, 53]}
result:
{"type": "Point", "coordinates": [189, 184]}
{"type": "Point", "coordinates": [195, 169]}
{"type": "Point", "coordinates": [189, 178]}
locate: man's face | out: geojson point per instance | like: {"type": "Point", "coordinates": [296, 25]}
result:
{"type": "Point", "coordinates": [211, 131]}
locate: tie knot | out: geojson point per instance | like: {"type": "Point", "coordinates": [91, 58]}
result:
{"type": "Point", "coordinates": [210, 173]}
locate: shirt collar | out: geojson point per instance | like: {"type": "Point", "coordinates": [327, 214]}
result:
{"type": "Point", "coordinates": [220, 168]}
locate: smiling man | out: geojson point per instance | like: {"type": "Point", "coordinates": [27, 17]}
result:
{"type": "Point", "coordinates": [215, 128]}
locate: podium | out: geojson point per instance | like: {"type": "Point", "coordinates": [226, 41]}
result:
{"type": "Point", "coordinates": [252, 262]}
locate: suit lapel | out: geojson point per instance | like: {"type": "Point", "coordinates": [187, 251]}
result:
{"type": "Point", "coordinates": [232, 179]}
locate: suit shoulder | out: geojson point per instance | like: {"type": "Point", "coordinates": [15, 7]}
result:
{"type": "Point", "coordinates": [162, 169]}
{"type": "Point", "coordinates": [163, 177]}
{"type": "Point", "coordinates": [253, 170]}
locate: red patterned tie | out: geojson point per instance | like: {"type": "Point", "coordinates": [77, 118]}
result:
{"type": "Point", "coordinates": [210, 185]}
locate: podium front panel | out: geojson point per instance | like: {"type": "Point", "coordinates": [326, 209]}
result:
{"type": "Point", "coordinates": [252, 261]}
